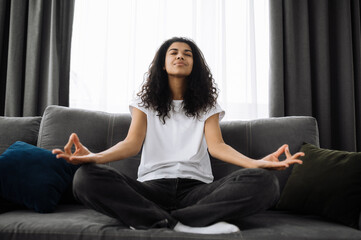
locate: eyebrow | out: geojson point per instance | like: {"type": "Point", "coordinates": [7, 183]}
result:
{"type": "Point", "coordinates": [176, 49]}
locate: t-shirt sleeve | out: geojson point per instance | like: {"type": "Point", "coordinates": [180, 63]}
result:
{"type": "Point", "coordinates": [137, 103]}
{"type": "Point", "coordinates": [214, 110]}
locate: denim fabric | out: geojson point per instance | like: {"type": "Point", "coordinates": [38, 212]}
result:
{"type": "Point", "coordinates": [163, 202]}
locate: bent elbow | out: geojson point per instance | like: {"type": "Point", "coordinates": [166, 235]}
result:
{"type": "Point", "coordinates": [136, 148]}
{"type": "Point", "coordinates": [212, 151]}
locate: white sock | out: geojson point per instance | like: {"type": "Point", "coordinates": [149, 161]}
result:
{"type": "Point", "coordinates": [217, 228]}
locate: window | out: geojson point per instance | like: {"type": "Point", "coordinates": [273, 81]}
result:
{"type": "Point", "coordinates": [115, 41]}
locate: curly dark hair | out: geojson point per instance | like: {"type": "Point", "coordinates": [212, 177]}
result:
{"type": "Point", "coordinates": [201, 92]}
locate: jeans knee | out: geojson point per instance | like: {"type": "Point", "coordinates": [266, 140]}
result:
{"type": "Point", "coordinates": [91, 179]}
{"type": "Point", "coordinates": [86, 180]}
{"type": "Point", "coordinates": [269, 185]}
{"type": "Point", "coordinates": [266, 186]}
{"type": "Point", "coordinates": [82, 180]}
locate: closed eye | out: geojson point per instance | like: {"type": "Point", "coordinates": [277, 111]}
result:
{"type": "Point", "coordinates": [188, 53]}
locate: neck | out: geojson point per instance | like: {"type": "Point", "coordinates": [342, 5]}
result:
{"type": "Point", "coordinates": [177, 87]}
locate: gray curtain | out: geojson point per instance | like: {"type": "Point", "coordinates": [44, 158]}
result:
{"type": "Point", "coordinates": [35, 39]}
{"type": "Point", "coordinates": [316, 66]}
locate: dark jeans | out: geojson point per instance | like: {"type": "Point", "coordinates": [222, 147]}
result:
{"type": "Point", "coordinates": [164, 202]}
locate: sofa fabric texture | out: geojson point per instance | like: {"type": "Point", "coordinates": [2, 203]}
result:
{"type": "Point", "coordinates": [99, 131]}
{"type": "Point", "coordinates": [14, 129]}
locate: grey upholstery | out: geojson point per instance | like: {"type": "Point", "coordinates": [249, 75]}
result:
{"type": "Point", "coordinates": [14, 129]}
{"type": "Point", "coordinates": [258, 138]}
{"type": "Point", "coordinates": [96, 130]}
{"type": "Point", "coordinates": [282, 225]}
{"type": "Point", "coordinates": [99, 131]}
{"type": "Point", "coordinates": [71, 222]}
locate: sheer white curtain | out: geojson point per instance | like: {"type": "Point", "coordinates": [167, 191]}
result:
{"type": "Point", "coordinates": [115, 41]}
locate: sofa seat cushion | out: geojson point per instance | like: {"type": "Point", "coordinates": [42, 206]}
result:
{"type": "Point", "coordinates": [285, 225]}
{"type": "Point", "coordinates": [75, 222]}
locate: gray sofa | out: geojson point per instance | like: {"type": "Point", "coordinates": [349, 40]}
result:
{"type": "Point", "coordinates": [99, 130]}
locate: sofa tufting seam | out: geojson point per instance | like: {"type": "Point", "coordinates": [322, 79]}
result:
{"type": "Point", "coordinates": [41, 127]}
{"type": "Point", "coordinates": [249, 138]}
{"type": "Point", "coordinates": [110, 131]}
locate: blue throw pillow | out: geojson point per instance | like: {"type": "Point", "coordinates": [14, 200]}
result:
{"type": "Point", "coordinates": [34, 177]}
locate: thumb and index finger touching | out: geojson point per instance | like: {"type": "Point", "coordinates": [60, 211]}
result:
{"type": "Point", "coordinates": [285, 149]}
{"type": "Point", "coordinates": [73, 140]}
{"type": "Point", "coordinates": [281, 150]}
{"type": "Point", "coordinates": [291, 159]}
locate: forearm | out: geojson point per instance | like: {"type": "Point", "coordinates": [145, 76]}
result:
{"type": "Point", "coordinates": [228, 154]}
{"type": "Point", "coordinates": [121, 150]}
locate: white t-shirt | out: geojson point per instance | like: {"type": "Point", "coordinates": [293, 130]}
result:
{"type": "Point", "coordinates": [176, 149]}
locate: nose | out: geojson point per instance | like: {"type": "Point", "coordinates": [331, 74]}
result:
{"type": "Point", "coordinates": [180, 57]}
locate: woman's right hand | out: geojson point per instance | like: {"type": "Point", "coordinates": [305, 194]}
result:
{"type": "Point", "coordinates": [80, 155]}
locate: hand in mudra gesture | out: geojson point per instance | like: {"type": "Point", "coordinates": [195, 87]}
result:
{"type": "Point", "coordinates": [272, 160]}
{"type": "Point", "coordinates": [80, 155]}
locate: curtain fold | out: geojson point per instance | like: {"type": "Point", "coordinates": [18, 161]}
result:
{"type": "Point", "coordinates": [315, 66]}
{"type": "Point", "coordinates": [35, 45]}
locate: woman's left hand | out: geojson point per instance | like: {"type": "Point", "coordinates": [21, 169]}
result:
{"type": "Point", "coordinates": [271, 161]}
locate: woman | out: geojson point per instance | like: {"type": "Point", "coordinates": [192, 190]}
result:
{"type": "Point", "coordinates": [176, 119]}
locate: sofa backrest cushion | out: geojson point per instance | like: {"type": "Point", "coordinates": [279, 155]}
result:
{"type": "Point", "coordinates": [258, 138]}
{"type": "Point", "coordinates": [14, 129]}
{"type": "Point", "coordinates": [99, 131]}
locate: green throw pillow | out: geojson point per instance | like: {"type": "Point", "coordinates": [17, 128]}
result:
{"type": "Point", "coordinates": [328, 183]}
